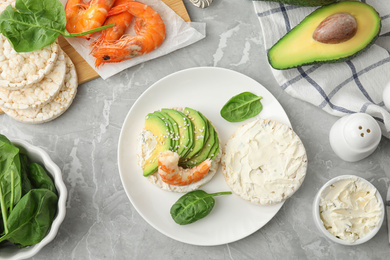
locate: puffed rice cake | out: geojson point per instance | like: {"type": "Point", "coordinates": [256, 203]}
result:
{"type": "Point", "coordinates": [5, 3]}
{"type": "Point", "coordinates": [17, 70]}
{"type": "Point", "coordinates": [38, 94]}
{"type": "Point", "coordinates": [264, 162]}
{"type": "Point", "coordinates": [56, 107]}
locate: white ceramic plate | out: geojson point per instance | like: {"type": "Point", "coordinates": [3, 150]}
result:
{"type": "Point", "coordinates": [205, 89]}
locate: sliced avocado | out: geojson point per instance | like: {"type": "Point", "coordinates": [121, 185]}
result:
{"type": "Point", "coordinates": [207, 128]}
{"type": "Point", "coordinates": [303, 2]}
{"type": "Point", "coordinates": [215, 149]}
{"type": "Point", "coordinates": [173, 127]}
{"type": "Point", "coordinates": [186, 132]}
{"type": "Point", "coordinates": [161, 132]}
{"type": "Point", "coordinates": [204, 153]}
{"type": "Point", "coordinates": [200, 126]}
{"type": "Point", "coordinates": [303, 46]}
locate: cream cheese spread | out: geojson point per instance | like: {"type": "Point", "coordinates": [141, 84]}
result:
{"type": "Point", "coordinates": [146, 144]}
{"type": "Point", "coordinates": [264, 162]}
{"type": "Point", "coordinates": [349, 209]}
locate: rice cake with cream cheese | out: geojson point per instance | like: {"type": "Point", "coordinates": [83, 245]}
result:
{"type": "Point", "coordinates": [56, 107]}
{"type": "Point", "coordinates": [264, 162]}
{"type": "Point", "coordinates": [38, 94]}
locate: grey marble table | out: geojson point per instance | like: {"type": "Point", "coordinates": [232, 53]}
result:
{"type": "Point", "coordinates": [101, 223]}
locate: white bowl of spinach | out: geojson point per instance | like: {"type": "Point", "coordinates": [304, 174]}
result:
{"type": "Point", "coordinates": [32, 199]}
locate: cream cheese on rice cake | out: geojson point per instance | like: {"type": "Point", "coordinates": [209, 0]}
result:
{"type": "Point", "coordinates": [264, 162]}
{"type": "Point", "coordinates": [38, 94]}
{"type": "Point", "coordinates": [54, 108]}
{"type": "Point", "coordinates": [147, 143]}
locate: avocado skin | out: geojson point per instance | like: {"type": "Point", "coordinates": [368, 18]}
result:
{"type": "Point", "coordinates": [302, 2]}
{"type": "Point", "coordinates": [347, 58]}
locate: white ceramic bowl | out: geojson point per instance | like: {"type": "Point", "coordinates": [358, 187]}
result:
{"type": "Point", "coordinates": [320, 224]}
{"type": "Point", "coordinates": [36, 154]}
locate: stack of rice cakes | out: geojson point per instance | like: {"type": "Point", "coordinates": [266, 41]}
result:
{"type": "Point", "coordinates": [37, 86]}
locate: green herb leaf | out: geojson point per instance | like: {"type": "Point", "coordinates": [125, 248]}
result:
{"type": "Point", "coordinates": [193, 206]}
{"type": "Point", "coordinates": [26, 213]}
{"type": "Point", "coordinates": [26, 184]}
{"type": "Point", "coordinates": [10, 178]}
{"type": "Point", "coordinates": [34, 24]}
{"type": "Point", "coordinates": [242, 107]}
{"type": "Point", "coordinates": [39, 178]}
{"type": "Point", "coordinates": [31, 218]}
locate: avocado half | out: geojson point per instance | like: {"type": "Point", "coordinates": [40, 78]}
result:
{"type": "Point", "coordinates": [298, 47]}
{"type": "Point", "coordinates": [302, 2]}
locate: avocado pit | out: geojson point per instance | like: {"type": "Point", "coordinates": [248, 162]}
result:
{"type": "Point", "coordinates": [336, 28]}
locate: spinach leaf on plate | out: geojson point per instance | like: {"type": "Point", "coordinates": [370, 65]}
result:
{"type": "Point", "coordinates": [242, 107]}
{"type": "Point", "coordinates": [34, 24]}
{"type": "Point", "coordinates": [193, 206]}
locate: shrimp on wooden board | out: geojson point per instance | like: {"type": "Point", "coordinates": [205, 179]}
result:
{"type": "Point", "coordinates": [81, 17]}
{"type": "Point", "coordinates": [150, 30]}
{"type": "Point", "coordinates": [171, 173]}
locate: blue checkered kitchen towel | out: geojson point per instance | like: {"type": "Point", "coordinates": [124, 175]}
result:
{"type": "Point", "coordinates": [339, 88]}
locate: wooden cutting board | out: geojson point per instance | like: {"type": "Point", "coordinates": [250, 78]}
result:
{"type": "Point", "coordinates": [84, 72]}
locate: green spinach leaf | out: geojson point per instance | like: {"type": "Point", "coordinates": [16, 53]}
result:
{"type": "Point", "coordinates": [39, 178]}
{"type": "Point", "coordinates": [193, 206]}
{"type": "Point", "coordinates": [31, 218]}
{"type": "Point", "coordinates": [10, 178]}
{"type": "Point", "coordinates": [34, 24]}
{"type": "Point", "coordinates": [26, 184]}
{"type": "Point", "coordinates": [242, 107]}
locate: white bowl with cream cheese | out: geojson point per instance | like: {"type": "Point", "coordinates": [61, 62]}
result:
{"type": "Point", "coordinates": [348, 210]}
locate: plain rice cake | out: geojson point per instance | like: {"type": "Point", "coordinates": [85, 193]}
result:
{"type": "Point", "coordinates": [56, 107]}
{"type": "Point", "coordinates": [38, 94]}
{"type": "Point", "coordinates": [264, 162]}
{"type": "Point", "coordinates": [17, 70]}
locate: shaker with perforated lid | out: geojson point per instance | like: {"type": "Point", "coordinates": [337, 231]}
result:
{"type": "Point", "coordinates": [354, 137]}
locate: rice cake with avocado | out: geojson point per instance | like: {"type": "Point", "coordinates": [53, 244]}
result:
{"type": "Point", "coordinates": [147, 145]}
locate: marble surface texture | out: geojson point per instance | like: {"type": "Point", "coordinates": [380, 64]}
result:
{"type": "Point", "coordinates": [101, 223]}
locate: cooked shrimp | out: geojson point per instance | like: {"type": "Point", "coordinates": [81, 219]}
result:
{"type": "Point", "coordinates": [173, 174]}
{"type": "Point", "coordinates": [81, 17]}
{"type": "Point", "coordinates": [150, 30]}
{"type": "Point", "coordinates": [122, 21]}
